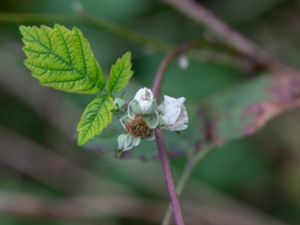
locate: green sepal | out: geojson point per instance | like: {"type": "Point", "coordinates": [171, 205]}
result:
{"type": "Point", "coordinates": [134, 109]}
{"type": "Point", "coordinates": [152, 120]}
{"type": "Point", "coordinates": [127, 142]}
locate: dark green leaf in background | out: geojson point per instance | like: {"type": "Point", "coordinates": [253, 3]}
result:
{"type": "Point", "coordinates": [246, 108]}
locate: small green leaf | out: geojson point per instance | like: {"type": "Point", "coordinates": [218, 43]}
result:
{"type": "Point", "coordinates": [96, 117]}
{"type": "Point", "coordinates": [120, 73]}
{"type": "Point", "coordinates": [62, 59]}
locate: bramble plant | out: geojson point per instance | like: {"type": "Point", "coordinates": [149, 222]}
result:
{"type": "Point", "coordinates": [233, 88]}
{"type": "Point", "coordinates": [63, 60]}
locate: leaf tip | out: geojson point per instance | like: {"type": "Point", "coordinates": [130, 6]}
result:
{"type": "Point", "coordinates": [23, 29]}
{"type": "Point", "coordinates": [80, 141]}
{"type": "Point", "coordinates": [128, 54]}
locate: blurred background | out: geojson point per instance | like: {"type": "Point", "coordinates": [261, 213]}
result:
{"type": "Point", "coordinates": [46, 179]}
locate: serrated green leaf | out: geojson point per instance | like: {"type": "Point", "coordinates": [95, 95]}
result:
{"type": "Point", "coordinates": [96, 117]}
{"type": "Point", "coordinates": [120, 73]}
{"type": "Point", "coordinates": [62, 59]}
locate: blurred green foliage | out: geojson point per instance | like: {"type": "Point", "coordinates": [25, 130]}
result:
{"type": "Point", "coordinates": [261, 171]}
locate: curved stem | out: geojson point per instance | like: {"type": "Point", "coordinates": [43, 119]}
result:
{"type": "Point", "coordinates": [181, 49]}
{"type": "Point", "coordinates": [163, 154]}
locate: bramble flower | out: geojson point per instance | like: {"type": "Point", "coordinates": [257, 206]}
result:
{"type": "Point", "coordinates": [174, 114]}
{"type": "Point", "coordinates": [141, 116]}
{"type": "Point", "coordinates": [140, 120]}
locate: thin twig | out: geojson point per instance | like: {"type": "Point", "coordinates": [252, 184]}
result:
{"type": "Point", "coordinates": [233, 59]}
{"type": "Point", "coordinates": [165, 64]}
{"type": "Point", "coordinates": [97, 22]}
{"type": "Point", "coordinates": [203, 16]}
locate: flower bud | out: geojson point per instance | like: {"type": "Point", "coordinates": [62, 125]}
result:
{"type": "Point", "coordinates": [145, 100]}
{"type": "Point", "coordinates": [174, 114]}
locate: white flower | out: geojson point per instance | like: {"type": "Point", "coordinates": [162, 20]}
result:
{"type": "Point", "coordinates": [174, 114]}
{"type": "Point", "coordinates": [127, 142]}
{"type": "Point", "coordinates": [145, 100]}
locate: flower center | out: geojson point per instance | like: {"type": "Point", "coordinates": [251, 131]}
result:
{"type": "Point", "coordinates": [138, 128]}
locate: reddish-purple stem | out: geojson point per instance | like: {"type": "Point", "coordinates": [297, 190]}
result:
{"type": "Point", "coordinates": [163, 154]}
{"type": "Point", "coordinates": [181, 49]}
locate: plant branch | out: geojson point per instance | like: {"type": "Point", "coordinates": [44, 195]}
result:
{"type": "Point", "coordinates": [235, 39]}
{"type": "Point", "coordinates": [189, 168]}
{"type": "Point", "coordinates": [96, 22]}
{"type": "Point", "coordinates": [163, 154]}
{"type": "Point", "coordinates": [181, 49]}
{"type": "Point", "coordinates": [233, 56]}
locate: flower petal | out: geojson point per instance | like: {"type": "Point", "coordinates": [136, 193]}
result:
{"type": "Point", "coordinates": [171, 109]}
{"type": "Point", "coordinates": [181, 123]}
